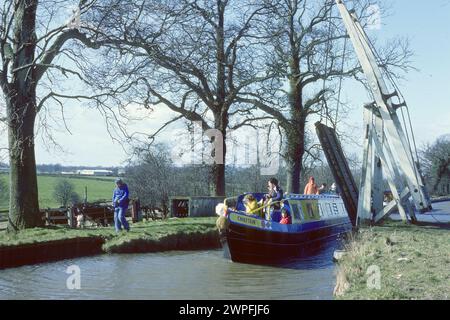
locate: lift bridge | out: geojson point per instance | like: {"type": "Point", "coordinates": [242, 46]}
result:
{"type": "Point", "coordinates": [388, 149]}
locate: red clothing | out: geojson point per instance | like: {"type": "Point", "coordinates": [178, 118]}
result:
{"type": "Point", "coordinates": [286, 220]}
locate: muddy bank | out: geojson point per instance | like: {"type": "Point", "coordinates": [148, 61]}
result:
{"type": "Point", "coordinates": [23, 254]}
{"type": "Point", "coordinates": [178, 241]}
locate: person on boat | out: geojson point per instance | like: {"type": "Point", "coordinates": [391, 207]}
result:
{"type": "Point", "coordinates": [285, 217]}
{"type": "Point", "coordinates": [120, 201]}
{"type": "Point", "coordinates": [230, 205]}
{"type": "Point", "coordinates": [334, 189]}
{"type": "Point", "coordinates": [311, 187]}
{"type": "Point", "coordinates": [251, 205]}
{"type": "Point", "coordinates": [323, 189]}
{"type": "Point", "coordinates": [274, 198]}
{"type": "Point", "coordinates": [275, 192]}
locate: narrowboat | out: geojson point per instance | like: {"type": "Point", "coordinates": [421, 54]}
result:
{"type": "Point", "coordinates": [315, 220]}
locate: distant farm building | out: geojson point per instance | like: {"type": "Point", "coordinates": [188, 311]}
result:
{"type": "Point", "coordinates": [96, 172]}
{"type": "Point", "coordinates": [4, 170]}
{"type": "Point", "coordinates": [182, 207]}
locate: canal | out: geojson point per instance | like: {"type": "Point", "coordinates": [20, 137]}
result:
{"type": "Point", "coordinates": [172, 275]}
{"type": "Point", "coordinates": [182, 275]}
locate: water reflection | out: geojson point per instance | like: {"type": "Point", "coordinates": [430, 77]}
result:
{"type": "Point", "coordinates": [172, 275]}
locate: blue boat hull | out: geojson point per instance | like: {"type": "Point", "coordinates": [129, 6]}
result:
{"type": "Point", "coordinates": [256, 245]}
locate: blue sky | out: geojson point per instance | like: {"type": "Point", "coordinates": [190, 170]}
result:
{"type": "Point", "coordinates": [427, 91]}
{"type": "Point", "coordinates": [427, 25]}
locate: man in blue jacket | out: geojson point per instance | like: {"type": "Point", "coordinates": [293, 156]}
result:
{"type": "Point", "coordinates": [120, 202]}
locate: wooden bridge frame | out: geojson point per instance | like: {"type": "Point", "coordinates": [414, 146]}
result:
{"type": "Point", "coordinates": [386, 145]}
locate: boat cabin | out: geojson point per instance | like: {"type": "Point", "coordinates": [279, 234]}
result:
{"type": "Point", "coordinates": [301, 208]}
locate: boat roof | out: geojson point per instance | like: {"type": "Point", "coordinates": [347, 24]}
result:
{"type": "Point", "coordinates": [292, 196]}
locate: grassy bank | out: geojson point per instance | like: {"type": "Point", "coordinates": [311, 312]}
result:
{"type": "Point", "coordinates": [182, 234]}
{"type": "Point", "coordinates": [172, 234]}
{"type": "Point", "coordinates": [414, 263]}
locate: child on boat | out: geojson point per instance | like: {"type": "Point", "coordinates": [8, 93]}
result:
{"type": "Point", "coordinates": [285, 217]}
{"type": "Point", "coordinates": [251, 205]}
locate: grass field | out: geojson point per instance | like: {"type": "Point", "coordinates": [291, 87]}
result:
{"type": "Point", "coordinates": [97, 188]}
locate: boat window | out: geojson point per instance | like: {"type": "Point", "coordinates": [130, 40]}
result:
{"type": "Point", "coordinates": [335, 209]}
{"type": "Point", "coordinates": [330, 211]}
{"type": "Point", "coordinates": [343, 211]}
{"type": "Point", "coordinates": [310, 210]}
{"type": "Point", "coordinates": [325, 210]}
{"type": "Point", "coordinates": [295, 212]}
{"type": "Point", "coordinates": [321, 212]}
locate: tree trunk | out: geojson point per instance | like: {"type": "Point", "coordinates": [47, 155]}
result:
{"type": "Point", "coordinates": [21, 110]}
{"type": "Point", "coordinates": [165, 206]}
{"type": "Point", "coordinates": [294, 157]}
{"type": "Point", "coordinates": [218, 167]}
{"type": "Point", "coordinates": [221, 110]}
{"type": "Point", "coordinates": [218, 179]}
{"type": "Point", "coordinates": [23, 206]}
{"type": "Point", "coordinates": [295, 130]}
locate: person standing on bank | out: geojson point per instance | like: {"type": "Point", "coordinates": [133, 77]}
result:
{"type": "Point", "coordinates": [120, 203]}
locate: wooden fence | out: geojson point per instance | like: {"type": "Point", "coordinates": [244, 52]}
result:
{"type": "Point", "coordinates": [97, 214]}
{"type": "Point", "coordinates": [100, 213]}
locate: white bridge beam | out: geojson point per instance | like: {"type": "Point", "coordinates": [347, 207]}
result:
{"type": "Point", "coordinates": [387, 141]}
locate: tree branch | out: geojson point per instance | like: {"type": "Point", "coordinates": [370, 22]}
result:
{"type": "Point", "coordinates": [55, 48]}
{"type": "Point", "coordinates": [266, 108]}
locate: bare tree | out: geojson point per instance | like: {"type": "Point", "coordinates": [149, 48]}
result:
{"type": "Point", "coordinates": [33, 50]}
{"type": "Point", "coordinates": [153, 177]}
{"type": "Point", "coordinates": [436, 162]}
{"type": "Point", "coordinates": [194, 57]}
{"type": "Point", "coordinates": [310, 55]}
{"type": "Point", "coordinates": [64, 193]}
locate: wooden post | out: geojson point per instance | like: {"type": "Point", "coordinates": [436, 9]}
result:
{"type": "Point", "coordinates": [71, 219]}
{"type": "Point", "coordinates": [47, 217]}
{"type": "Point", "coordinates": [138, 210]}
{"type": "Point", "coordinates": [135, 208]}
